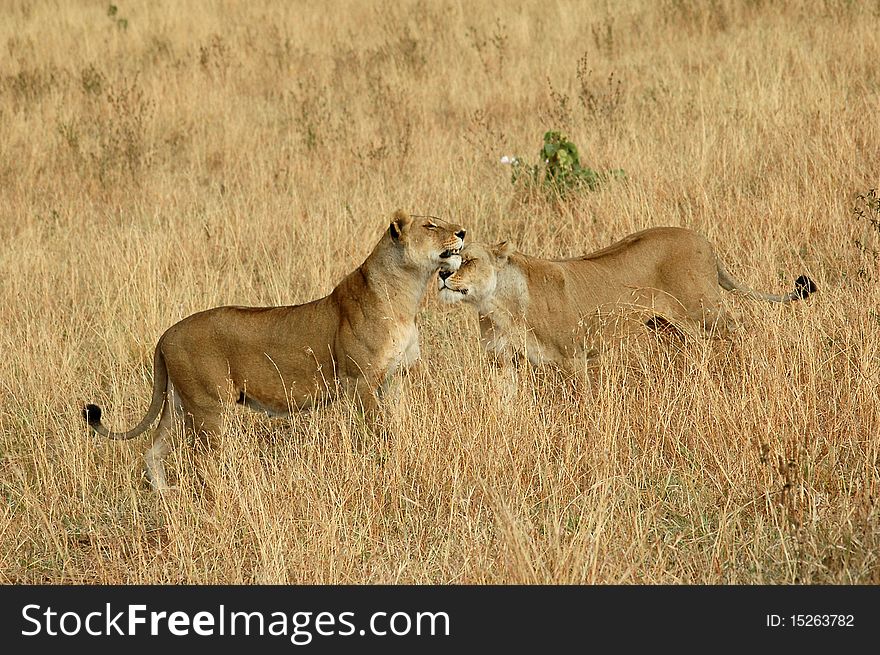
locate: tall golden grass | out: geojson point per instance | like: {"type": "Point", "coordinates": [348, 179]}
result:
{"type": "Point", "coordinates": [168, 157]}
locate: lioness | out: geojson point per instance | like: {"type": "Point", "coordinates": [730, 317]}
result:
{"type": "Point", "coordinates": [549, 311]}
{"type": "Point", "coordinates": [276, 359]}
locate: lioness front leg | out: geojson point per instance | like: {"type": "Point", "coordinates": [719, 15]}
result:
{"type": "Point", "coordinates": [390, 392]}
{"type": "Point", "coordinates": [504, 369]}
{"type": "Point", "coordinates": [364, 394]}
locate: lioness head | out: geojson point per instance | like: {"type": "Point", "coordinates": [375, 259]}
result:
{"type": "Point", "coordinates": [426, 241]}
{"type": "Point", "coordinates": [477, 276]}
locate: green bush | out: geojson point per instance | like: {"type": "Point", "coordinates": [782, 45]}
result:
{"type": "Point", "coordinates": [561, 171]}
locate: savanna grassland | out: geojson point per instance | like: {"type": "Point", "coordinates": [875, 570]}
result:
{"type": "Point", "coordinates": [160, 158]}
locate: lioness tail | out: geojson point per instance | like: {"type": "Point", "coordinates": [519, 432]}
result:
{"type": "Point", "coordinates": [803, 287]}
{"type": "Point", "coordinates": [92, 413]}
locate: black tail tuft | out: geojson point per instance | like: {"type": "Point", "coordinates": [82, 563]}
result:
{"type": "Point", "coordinates": [804, 286]}
{"type": "Point", "coordinates": [92, 414]}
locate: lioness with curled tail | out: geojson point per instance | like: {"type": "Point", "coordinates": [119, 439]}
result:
{"type": "Point", "coordinates": [550, 311]}
{"type": "Point", "coordinates": [278, 359]}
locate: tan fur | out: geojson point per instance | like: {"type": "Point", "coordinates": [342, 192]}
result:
{"type": "Point", "coordinates": [278, 359]}
{"type": "Point", "coordinates": [556, 311]}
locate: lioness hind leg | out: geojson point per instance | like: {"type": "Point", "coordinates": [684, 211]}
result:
{"type": "Point", "coordinates": [661, 326]}
{"type": "Point", "coordinates": [203, 423]}
{"type": "Point", "coordinates": [203, 412]}
{"type": "Point", "coordinates": [161, 446]}
{"type": "Point", "coordinates": [706, 312]}
{"type": "Point", "coordinates": [718, 323]}
{"type": "Point", "coordinates": [713, 324]}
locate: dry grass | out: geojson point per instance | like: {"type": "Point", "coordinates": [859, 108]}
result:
{"type": "Point", "coordinates": [207, 153]}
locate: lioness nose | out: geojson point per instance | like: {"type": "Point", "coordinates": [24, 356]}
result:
{"type": "Point", "coordinates": [445, 274]}
{"type": "Point", "coordinates": [460, 234]}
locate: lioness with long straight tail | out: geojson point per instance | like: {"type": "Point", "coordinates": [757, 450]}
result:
{"type": "Point", "coordinates": [549, 311]}
{"type": "Point", "coordinates": [278, 359]}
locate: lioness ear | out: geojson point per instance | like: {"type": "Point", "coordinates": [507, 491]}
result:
{"type": "Point", "coordinates": [503, 250]}
{"type": "Point", "coordinates": [400, 222]}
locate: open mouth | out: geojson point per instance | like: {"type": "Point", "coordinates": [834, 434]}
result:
{"type": "Point", "coordinates": [450, 260]}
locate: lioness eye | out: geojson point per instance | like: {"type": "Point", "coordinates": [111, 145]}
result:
{"type": "Point", "coordinates": [431, 226]}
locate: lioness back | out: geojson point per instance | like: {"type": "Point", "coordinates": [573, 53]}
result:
{"type": "Point", "coordinates": [249, 347]}
{"type": "Point", "coordinates": [665, 269]}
